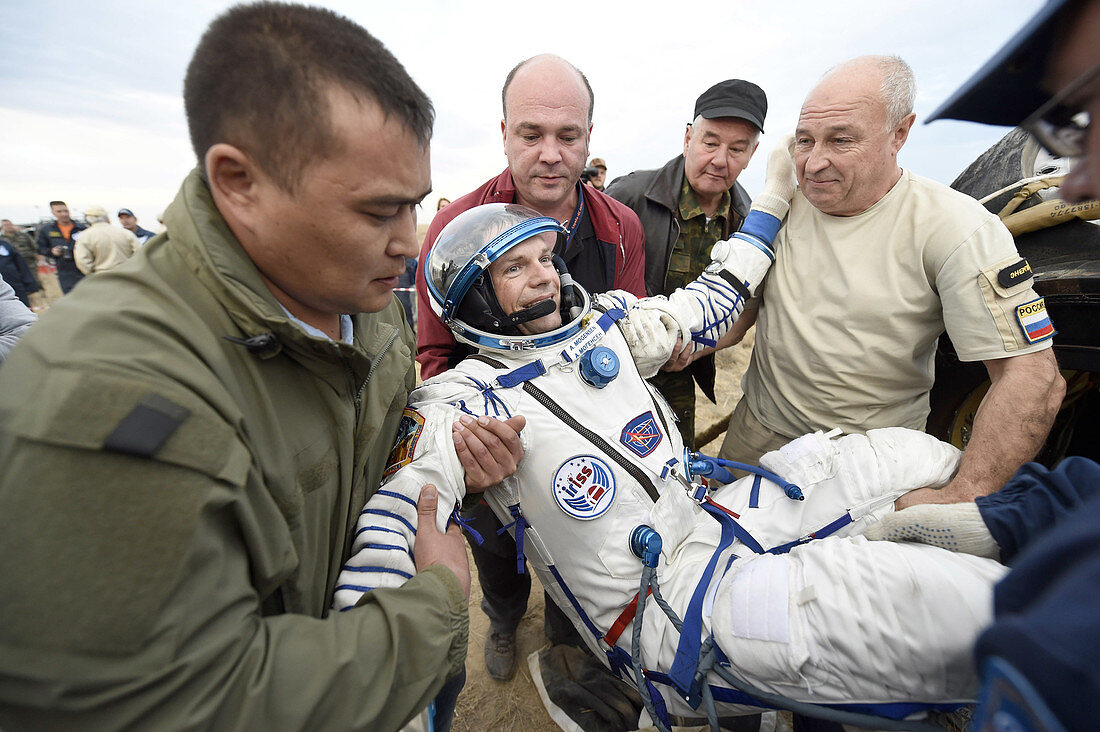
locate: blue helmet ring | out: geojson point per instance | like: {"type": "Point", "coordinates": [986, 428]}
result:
{"type": "Point", "coordinates": [462, 294]}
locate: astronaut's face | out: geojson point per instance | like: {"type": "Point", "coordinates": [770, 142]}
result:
{"type": "Point", "coordinates": [524, 276]}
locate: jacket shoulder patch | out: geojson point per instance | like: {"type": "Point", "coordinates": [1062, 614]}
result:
{"type": "Point", "coordinates": [147, 426]}
{"type": "Point", "coordinates": [1014, 274]}
{"type": "Point", "coordinates": [1034, 320]}
{"type": "Point", "coordinates": [404, 446]}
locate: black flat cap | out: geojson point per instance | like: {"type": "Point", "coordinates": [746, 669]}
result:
{"type": "Point", "coordinates": [1009, 87]}
{"type": "Point", "coordinates": [733, 98]}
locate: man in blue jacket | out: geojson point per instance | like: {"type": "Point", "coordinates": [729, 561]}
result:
{"type": "Point", "coordinates": [1038, 658]}
{"type": "Point", "coordinates": [55, 240]}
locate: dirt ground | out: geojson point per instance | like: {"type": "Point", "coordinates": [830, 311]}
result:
{"type": "Point", "coordinates": [514, 706]}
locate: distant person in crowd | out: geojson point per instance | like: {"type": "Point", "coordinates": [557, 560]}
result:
{"type": "Point", "coordinates": [406, 292]}
{"type": "Point", "coordinates": [130, 223]}
{"type": "Point", "coordinates": [15, 318]}
{"type": "Point", "coordinates": [102, 247]}
{"type": "Point", "coordinates": [873, 263]}
{"type": "Point", "coordinates": [688, 204]}
{"type": "Point", "coordinates": [596, 180]}
{"type": "Point", "coordinates": [441, 203]}
{"type": "Point", "coordinates": [23, 244]}
{"type": "Point", "coordinates": [547, 107]}
{"type": "Point", "coordinates": [55, 240]}
{"type": "Point", "coordinates": [14, 270]}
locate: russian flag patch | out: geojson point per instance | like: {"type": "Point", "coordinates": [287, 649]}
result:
{"type": "Point", "coordinates": [1034, 320]}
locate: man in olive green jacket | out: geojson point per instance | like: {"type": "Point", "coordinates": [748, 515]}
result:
{"type": "Point", "coordinates": [187, 442]}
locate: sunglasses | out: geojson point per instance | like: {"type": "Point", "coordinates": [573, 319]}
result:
{"type": "Point", "coordinates": [1059, 127]}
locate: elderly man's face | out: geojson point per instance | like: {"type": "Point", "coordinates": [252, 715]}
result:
{"type": "Point", "coordinates": [1076, 56]}
{"type": "Point", "coordinates": [715, 153]}
{"type": "Point", "coordinates": [546, 134]}
{"type": "Point", "coordinates": [524, 276]}
{"type": "Point", "coordinates": [844, 156]}
{"type": "Point", "coordinates": [338, 243]}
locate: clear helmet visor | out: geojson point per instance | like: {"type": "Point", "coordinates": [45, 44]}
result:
{"type": "Point", "coordinates": [457, 271]}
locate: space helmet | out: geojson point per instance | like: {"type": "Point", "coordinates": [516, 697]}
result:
{"type": "Point", "coordinates": [462, 294]}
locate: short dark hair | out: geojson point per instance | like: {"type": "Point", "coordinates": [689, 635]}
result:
{"type": "Point", "coordinates": [521, 64]}
{"type": "Point", "coordinates": [57, 203]}
{"type": "Point", "coordinates": [259, 77]}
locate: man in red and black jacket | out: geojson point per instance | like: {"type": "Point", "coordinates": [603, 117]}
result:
{"type": "Point", "coordinates": [546, 127]}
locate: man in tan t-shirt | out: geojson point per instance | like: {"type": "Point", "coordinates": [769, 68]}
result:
{"type": "Point", "coordinates": [101, 246]}
{"type": "Point", "coordinates": [873, 263]}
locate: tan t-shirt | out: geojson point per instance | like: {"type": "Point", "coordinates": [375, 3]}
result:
{"type": "Point", "coordinates": [853, 307]}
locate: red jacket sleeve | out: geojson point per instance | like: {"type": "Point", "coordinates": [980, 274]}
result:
{"type": "Point", "coordinates": [630, 264]}
{"type": "Point", "coordinates": [434, 341]}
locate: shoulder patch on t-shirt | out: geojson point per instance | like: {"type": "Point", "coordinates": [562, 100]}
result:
{"type": "Point", "coordinates": [404, 446]}
{"type": "Point", "coordinates": [1034, 320]}
{"type": "Point", "coordinates": [1014, 274]}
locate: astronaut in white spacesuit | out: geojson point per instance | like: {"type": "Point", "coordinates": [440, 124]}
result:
{"type": "Point", "coordinates": [606, 502]}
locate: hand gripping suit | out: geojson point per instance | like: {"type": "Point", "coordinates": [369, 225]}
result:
{"type": "Point", "coordinates": [833, 620]}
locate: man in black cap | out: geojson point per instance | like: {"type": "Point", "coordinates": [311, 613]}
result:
{"type": "Point", "coordinates": [688, 205]}
{"type": "Point", "coordinates": [129, 221]}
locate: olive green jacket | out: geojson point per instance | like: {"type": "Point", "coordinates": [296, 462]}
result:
{"type": "Point", "coordinates": [182, 468]}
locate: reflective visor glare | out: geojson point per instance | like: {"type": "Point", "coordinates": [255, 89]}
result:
{"type": "Point", "coordinates": [1065, 140]}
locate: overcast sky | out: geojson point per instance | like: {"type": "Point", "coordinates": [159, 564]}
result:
{"type": "Point", "coordinates": [91, 109]}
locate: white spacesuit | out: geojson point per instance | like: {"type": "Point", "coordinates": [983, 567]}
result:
{"type": "Point", "coordinates": [794, 600]}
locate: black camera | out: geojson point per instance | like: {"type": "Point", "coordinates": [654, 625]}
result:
{"type": "Point", "coordinates": [589, 173]}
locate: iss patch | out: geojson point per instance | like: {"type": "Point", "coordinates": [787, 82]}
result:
{"type": "Point", "coordinates": [404, 446]}
{"type": "Point", "coordinates": [584, 487]}
{"type": "Point", "coordinates": [641, 435]}
{"type": "Point", "coordinates": [1034, 320]}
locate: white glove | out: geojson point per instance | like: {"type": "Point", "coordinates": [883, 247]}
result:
{"type": "Point", "coordinates": [651, 335]}
{"type": "Point", "coordinates": [957, 527]}
{"type": "Point", "coordinates": [779, 181]}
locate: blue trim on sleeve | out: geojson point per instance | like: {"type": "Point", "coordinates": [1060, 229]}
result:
{"type": "Point", "coordinates": [762, 225]}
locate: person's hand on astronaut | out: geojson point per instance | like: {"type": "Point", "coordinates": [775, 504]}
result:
{"type": "Point", "coordinates": [435, 548]}
{"type": "Point", "coordinates": [489, 449]}
{"type": "Point", "coordinates": [680, 359]}
{"type": "Point", "coordinates": [957, 527]}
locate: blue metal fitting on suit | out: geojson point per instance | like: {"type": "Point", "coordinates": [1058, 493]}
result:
{"type": "Point", "coordinates": [645, 542]}
{"type": "Point", "coordinates": [599, 366]}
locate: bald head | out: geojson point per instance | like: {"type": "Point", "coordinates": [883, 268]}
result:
{"type": "Point", "coordinates": [552, 73]}
{"type": "Point", "coordinates": [546, 125]}
{"type": "Point", "coordinates": [890, 77]}
{"type": "Point", "coordinates": [850, 130]}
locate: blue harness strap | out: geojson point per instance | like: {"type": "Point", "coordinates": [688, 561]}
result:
{"type": "Point", "coordinates": [686, 661]}
{"type": "Point", "coordinates": [576, 605]}
{"type": "Point", "coordinates": [524, 373]}
{"type": "Point", "coordinates": [520, 522]}
{"type": "Point", "coordinates": [467, 526]}
{"type": "Point", "coordinates": [819, 534]}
